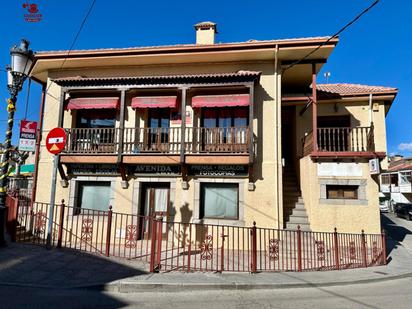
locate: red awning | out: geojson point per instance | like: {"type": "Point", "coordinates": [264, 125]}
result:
{"type": "Point", "coordinates": [93, 103]}
{"type": "Point", "coordinates": [154, 102]}
{"type": "Point", "coordinates": [221, 100]}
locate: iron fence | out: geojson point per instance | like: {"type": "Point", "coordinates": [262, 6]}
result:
{"type": "Point", "coordinates": [179, 246]}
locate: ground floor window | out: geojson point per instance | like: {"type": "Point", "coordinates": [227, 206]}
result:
{"type": "Point", "coordinates": [93, 195]}
{"type": "Point", "coordinates": [341, 192]}
{"type": "Point", "coordinates": [219, 200]}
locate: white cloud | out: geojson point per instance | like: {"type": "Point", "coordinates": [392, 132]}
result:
{"type": "Point", "coordinates": [405, 146]}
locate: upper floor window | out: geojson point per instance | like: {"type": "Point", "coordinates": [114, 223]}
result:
{"type": "Point", "coordinates": [386, 179]}
{"type": "Point", "coordinates": [91, 118]}
{"type": "Point", "coordinates": [225, 117]}
{"type": "Point", "coordinates": [405, 178]}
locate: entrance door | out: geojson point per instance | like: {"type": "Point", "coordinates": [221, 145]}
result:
{"type": "Point", "coordinates": [155, 202]}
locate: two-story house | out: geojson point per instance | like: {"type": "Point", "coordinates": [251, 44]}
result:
{"type": "Point", "coordinates": [226, 133]}
{"type": "Point", "coordinates": [396, 181]}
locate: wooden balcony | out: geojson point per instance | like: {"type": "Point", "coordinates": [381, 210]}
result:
{"type": "Point", "coordinates": [341, 142]}
{"type": "Point", "coordinates": [136, 141]}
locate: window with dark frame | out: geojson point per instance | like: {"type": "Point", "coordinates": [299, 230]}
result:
{"type": "Point", "coordinates": [342, 192]}
{"type": "Point", "coordinates": [386, 179]}
{"type": "Point", "coordinates": [92, 196]}
{"type": "Point", "coordinates": [225, 117]}
{"type": "Point", "coordinates": [219, 201]}
{"type": "Point", "coordinates": [90, 118]}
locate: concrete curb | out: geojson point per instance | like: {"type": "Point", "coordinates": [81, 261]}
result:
{"type": "Point", "coordinates": [142, 286]}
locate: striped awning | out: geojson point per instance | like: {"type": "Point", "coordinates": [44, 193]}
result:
{"type": "Point", "coordinates": [155, 102]}
{"type": "Point", "coordinates": [221, 100]}
{"type": "Point", "coordinates": [93, 103]}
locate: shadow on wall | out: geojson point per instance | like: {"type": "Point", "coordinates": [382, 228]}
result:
{"type": "Point", "coordinates": [258, 115]}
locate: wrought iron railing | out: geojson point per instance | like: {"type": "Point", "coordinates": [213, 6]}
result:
{"type": "Point", "coordinates": [169, 246]}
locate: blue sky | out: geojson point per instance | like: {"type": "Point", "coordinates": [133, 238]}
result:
{"type": "Point", "coordinates": [376, 50]}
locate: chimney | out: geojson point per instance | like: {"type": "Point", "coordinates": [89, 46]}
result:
{"type": "Point", "coordinates": [205, 32]}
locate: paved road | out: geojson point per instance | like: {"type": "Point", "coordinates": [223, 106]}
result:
{"type": "Point", "coordinates": [390, 294]}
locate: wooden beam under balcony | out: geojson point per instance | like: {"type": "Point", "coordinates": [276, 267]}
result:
{"type": "Point", "coordinates": [151, 159]}
{"type": "Point", "coordinates": [347, 154]}
{"type": "Point", "coordinates": [218, 159]}
{"type": "Point", "coordinates": [88, 159]}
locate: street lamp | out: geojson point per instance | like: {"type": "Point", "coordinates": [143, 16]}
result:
{"type": "Point", "coordinates": [21, 61]}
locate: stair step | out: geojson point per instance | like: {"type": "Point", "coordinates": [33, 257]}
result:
{"type": "Point", "coordinates": [299, 212]}
{"type": "Point", "coordinates": [294, 226]}
{"type": "Point", "coordinates": [298, 220]}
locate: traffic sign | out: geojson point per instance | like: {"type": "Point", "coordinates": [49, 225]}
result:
{"type": "Point", "coordinates": [56, 140]}
{"type": "Point", "coordinates": [27, 141]}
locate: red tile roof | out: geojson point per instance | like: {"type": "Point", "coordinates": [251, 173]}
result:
{"type": "Point", "coordinates": [354, 89]}
{"type": "Point", "coordinates": [312, 40]}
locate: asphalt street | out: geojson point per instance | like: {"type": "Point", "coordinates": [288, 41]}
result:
{"type": "Point", "coordinates": [388, 294]}
{"type": "Point", "coordinates": [384, 294]}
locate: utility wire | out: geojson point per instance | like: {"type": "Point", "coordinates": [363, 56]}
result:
{"type": "Point", "coordinates": [72, 44]}
{"type": "Point", "coordinates": [333, 36]}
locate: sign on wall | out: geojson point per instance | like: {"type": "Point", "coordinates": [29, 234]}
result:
{"type": "Point", "coordinates": [374, 167]}
{"type": "Point", "coordinates": [218, 170]}
{"type": "Point", "coordinates": [343, 169]}
{"type": "Point", "coordinates": [158, 170]}
{"type": "Point", "coordinates": [92, 169]}
{"type": "Point", "coordinates": [27, 141]}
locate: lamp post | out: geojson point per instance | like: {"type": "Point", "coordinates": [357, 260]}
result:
{"type": "Point", "coordinates": [21, 61]}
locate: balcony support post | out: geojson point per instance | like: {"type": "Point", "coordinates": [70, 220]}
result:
{"type": "Point", "coordinates": [183, 125]}
{"type": "Point", "coordinates": [120, 137]}
{"type": "Point", "coordinates": [251, 104]}
{"type": "Point", "coordinates": [314, 109]}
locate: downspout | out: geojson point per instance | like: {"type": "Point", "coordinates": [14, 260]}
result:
{"type": "Point", "coordinates": [38, 142]}
{"type": "Point", "coordinates": [370, 110]}
{"type": "Point", "coordinates": [278, 127]}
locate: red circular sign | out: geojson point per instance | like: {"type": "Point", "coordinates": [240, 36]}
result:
{"type": "Point", "coordinates": [56, 140]}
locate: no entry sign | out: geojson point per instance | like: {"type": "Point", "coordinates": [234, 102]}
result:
{"type": "Point", "coordinates": [27, 141]}
{"type": "Point", "coordinates": [56, 140]}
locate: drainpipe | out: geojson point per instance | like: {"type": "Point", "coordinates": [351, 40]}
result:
{"type": "Point", "coordinates": [370, 110]}
{"type": "Point", "coordinates": [277, 143]}
{"type": "Point", "coordinates": [39, 137]}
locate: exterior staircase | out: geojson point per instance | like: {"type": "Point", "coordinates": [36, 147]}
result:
{"type": "Point", "coordinates": [294, 212]}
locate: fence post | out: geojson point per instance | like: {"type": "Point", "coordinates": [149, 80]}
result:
{"type": "Point", "coordinates": [159, 242]}
{"type": "Point", "coordinates": [61, 222]}
{"type": "Point", "coordinates": [383, 235]}
{"type": "Point", "coordinates": [14, 214]}
{"type": "Point", "coordinates": [299, 240]}
{"type": "Point", "coordinates": [153, 244]}
{"type": "Point", "coordinates": [254, 248]}
{"type": "Point", "coordinates": [189, 249]}
{"type": "Point", "coordinates": [363, 239]}
{"type": "Point", "coordinates": [109, 230]}
{"type": "Point", "coordinates": [336, 248]}
{"type": "Point", "coordinates": [222, 250]}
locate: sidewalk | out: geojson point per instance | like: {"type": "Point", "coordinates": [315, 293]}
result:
{"type": "Point", "coordinates": [34, 266]}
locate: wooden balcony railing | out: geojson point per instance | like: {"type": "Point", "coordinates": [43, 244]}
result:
{"type": "Point", "coordinates": [157, 140]}
{"type": "Point", "coordinates": [92, 141]}
{"type": "Point", "coordinates": [140, 140]}
{"type": "Point", "coordinates": [343, 139]}
{"type": "Point", "coordinates": [214, 140]}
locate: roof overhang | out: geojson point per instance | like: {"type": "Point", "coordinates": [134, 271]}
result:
{"type": "Point", "coordinates": [288, 50]}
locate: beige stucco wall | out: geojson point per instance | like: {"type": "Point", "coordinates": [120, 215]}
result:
{"type": "Point", "coordinates": [259, 205]}
{"type": "Point", "coordinates": [349, 217]}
